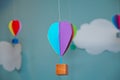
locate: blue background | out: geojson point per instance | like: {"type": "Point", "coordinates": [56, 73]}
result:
{"type": "Point", "coordinates": [38, 58]}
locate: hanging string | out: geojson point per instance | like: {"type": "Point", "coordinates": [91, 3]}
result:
{"type": "Point", "coordinates": [119, 6]}
{"type": "Point", "coordinates": [59, 19]}
{"type": "Point", "coordinates": [61, 60]}
{"type": "Point", "coordinates": [69, 9]}
{"type": "Point", "coordinates": [59, 12]}
{"type": "Point", "coordinates": [13, 9]}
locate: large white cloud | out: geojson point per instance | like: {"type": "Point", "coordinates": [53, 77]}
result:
{"type": "Point", "coordinates": [98, 36]}
{"type": "Point", "coordinates": [10, 56]}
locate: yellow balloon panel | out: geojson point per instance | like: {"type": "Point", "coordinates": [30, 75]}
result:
{"type": "Point", "coordinates": [10, 28]}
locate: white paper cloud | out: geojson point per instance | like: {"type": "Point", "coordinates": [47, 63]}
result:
{"type": "Point", "coordinates": [10, 56]}
{"type": "Point", "coordinates": [98, 36]}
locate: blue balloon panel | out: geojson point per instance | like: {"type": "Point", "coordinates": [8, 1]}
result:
{"type": "Point", "coordinates": [53, 37]}
{"type": "Point", "coordinates": [114, 20]}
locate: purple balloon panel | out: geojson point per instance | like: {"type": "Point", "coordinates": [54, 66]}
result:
{"type": "Point", "coordinates": [71, 38]}
{"type": "Point", "coordinates": [65, 36]}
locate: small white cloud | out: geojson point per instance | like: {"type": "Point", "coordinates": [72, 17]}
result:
{"type": "Point", "coordinates": [98, 36]}
{"type": "Point", "coordinates": [10, 56]}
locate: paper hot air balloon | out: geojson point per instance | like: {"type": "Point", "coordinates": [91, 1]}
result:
{"type": "Point", "coordinates": [116, 22]}
{"type": "Point", "coordinates": [15, 28]}
{"type": "Point", "coordinates": [60, 35]}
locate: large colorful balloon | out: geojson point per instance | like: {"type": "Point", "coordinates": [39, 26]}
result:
{"type": "Point", "coordinates": [14, 27]}
{"type": "Point", "coordinates": [116, 21]}
{"type": "Point", "coordinates": [60, 35]}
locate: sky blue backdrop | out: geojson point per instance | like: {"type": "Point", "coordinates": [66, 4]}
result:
{"type": "Point", "coordinates": [38, 58]}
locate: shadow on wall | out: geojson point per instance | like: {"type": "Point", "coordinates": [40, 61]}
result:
{"type": "Point", "coordinates": [4, 4]}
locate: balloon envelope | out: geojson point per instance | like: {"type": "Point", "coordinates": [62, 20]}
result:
{"type": "Point", "coordinates": [14, 27]}
{"type": "Point", "coordinates": [116, 21]}
{"type": "Point", "coordinates": [60, 36]}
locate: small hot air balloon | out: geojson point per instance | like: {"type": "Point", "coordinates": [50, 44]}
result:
{"type": "Point", "coordinates": [15, 28]}
{"type": "Point", "coordinates": [60, 35]}
{"type": "Point", "coordinates": [116, 22]}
